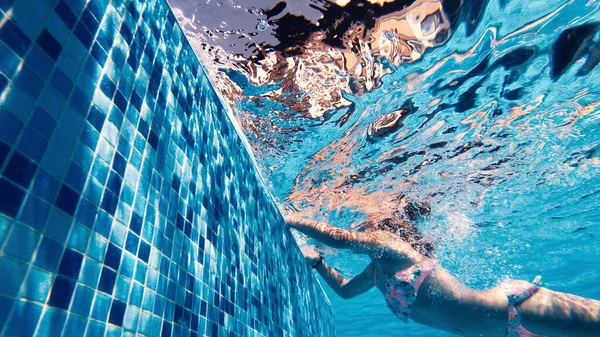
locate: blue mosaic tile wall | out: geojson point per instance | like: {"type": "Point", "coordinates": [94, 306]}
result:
{"type": "Point", "coordinates": [128, 203]}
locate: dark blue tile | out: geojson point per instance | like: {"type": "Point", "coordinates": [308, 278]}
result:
{"type": "Point", "coordinates": [117, 312]}
{"type": "Point", "coordinates": [14, 38]}
{"type": "Point", "coordinates": [90, 20]}
{"type": "Point", "coordinates": [80, 102]}
{"type": "Point", "coordinates": [67, 200]}
{"type": "Point", "coordinates": [166, 329]}
{"type": "Point", "coordinates": [49, 44]}
{"type": "Point", "coordinates": [109, 202]}
{"type": "Point", "coordinates": [4, 150]}
{"type": "Point", "coordinates": [144, 251]}
{"type": "Point", "coordinates": [70, 264]}
{"type": "Point", "coordinates": [107, 86]}
{"type": "Point", "coordinates": [136, 100]}
{"type": "Point", "coordinates": [10, 127]}
{"type": "Point", "coordinates": [126, 33]}
{"type": "Point", "coordinates": [3, 83]}
{"type": "Point", "coordinates": [89, 136]}
{"type": "Point", "coordinates": [96, 118]}
{"type": "Point", "coordinates": [42, 122]}
{"type": "Point", "coordinates": [66, 14]}
{"type": "Point", "coordinates": [86, 214]}
{"type": "Point", "coordinates": [119, 164]}
{"type": "Point", "coordinates": [136, 223]}
{"type": "Point", "coordinates": [114, 182]}
{"type": "Point", "coordinates": [32, 144]}
{"type": "Point", "coordinates": [99, 54]}
{"type": "Point", "coordinates": [143, 128]}
{"type": "Point", "coordinates": [107, 280]}
{"type": "Point", "coordinates": [62, 292]}
{"type": "Point", "coordinates": [45, 186]}
{"type": "Point", "coordinates": [153, 140]}
{"type": "Point", "coordinates": [61, 83]}
{"type": "Point", "coordinates": [35, 213]}
{"type": "Point", "coordinates": [113, 257]}
{"type": "Point", "coordinates": [76, 177]}
{"type": "Point", "coordinates": [131, 244]}
{"type": "Point", "coordinates": [120, 101]}
{"type": "Point", "coordinates": [20, 169]}
{"type": "Point", "coordinates": [84, 35]}
{"type": "Point", "coordinates": [48, 255]}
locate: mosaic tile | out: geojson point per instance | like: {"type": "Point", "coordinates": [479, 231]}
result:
{"type": "Point", "coordinates": [130, 203]}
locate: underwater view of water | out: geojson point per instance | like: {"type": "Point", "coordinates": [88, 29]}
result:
{"type": "Point", "coordinates": [486, 110]}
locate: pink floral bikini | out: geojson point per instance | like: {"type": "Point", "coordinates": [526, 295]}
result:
{"type": "Point", "coordinates": [517, 293]}
{"type": "Point", "coordinates": [402, 287]}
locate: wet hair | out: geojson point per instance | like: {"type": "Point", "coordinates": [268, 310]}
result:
{"type": "Point", "coordinates": [405, 230]}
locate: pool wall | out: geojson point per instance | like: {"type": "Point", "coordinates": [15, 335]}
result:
{"type": "Point", "coordinates": [129, 204]}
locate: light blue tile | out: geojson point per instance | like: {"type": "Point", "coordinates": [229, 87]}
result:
{"type": "Point", "coordinates": [101, 307]}
{"type": "Point", "coordinates": [22, 16]}
{"type": "Point", "coordinates": [53, 103]}
{"type": "Point", "coordinates": [53, 322]}
{"type": "Point", "coordinates": [5, 227]}
{"type": "Point", "coordinates": [37, 285]}
{"type": "Point", "coordinates": [82, 304]}
{"type": "Point", "coordinates": [59, 225]}
{"type": "Point", "coordinates": [91, 273]}
{"type": "Point", "coordinates": [122, 288]}
{"type": "Point", "coordinates": [79, 237]}
{"type": "Point", "coordinates": [23, 319]}
{"type": "Point", "coordinates": [97, 247]}
{"type": "Point", "coordinates": [17, 103]}
{"type": "Point", "coordinates": [118, 234]}
{"type": "Point", "coordinates": [57, 28]}
{"type": "Point", "coordinates": [22, 243]}
{"type": "Point", "coordinates": [75, 326]}
{"type": "Point", "coordinates": [10, 61]}
{"type": "Point", "coordinates": [55, 162]}
{"type": "Point", "coordinates": [39, 9]}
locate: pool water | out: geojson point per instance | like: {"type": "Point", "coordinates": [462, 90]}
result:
{"type": "Point", "coordinates": [493, 119]}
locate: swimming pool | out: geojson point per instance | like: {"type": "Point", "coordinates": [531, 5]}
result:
{"type": "Point", "coordinates": [496, 126]}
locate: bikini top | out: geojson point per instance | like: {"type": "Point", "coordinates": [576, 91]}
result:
{"type": "Point", "coordinates": [401, 288]}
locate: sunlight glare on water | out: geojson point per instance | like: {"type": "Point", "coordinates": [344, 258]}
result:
{"type": "Point", "coordinates": [488, 110]}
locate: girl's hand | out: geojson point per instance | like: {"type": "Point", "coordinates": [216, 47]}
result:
{"type": "Point", "coordinates": [311, 255]}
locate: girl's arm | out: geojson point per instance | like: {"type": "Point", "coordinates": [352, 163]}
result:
{"type": "Point", "coordinates": [336, 237]}
{"type": "Point", "coordinates": [347, 288]}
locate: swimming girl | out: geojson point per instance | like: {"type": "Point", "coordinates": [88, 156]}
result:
{"type": "Point", "coordinates": [416, 287]}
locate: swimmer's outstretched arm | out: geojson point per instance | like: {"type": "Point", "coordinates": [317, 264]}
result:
{"type": "Point", "coordinates": [347, 288]}
{"type": "Point", "coordinates": [336, 237]}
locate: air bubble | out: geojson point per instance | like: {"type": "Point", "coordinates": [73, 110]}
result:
{"type": "Point", "coordinates": [223, 24]}
{"type": "Point", "coordinates": [262, 25]}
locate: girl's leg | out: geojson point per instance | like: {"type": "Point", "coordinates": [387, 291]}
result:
{"type": "Point", "coordinates": [552, 313]}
